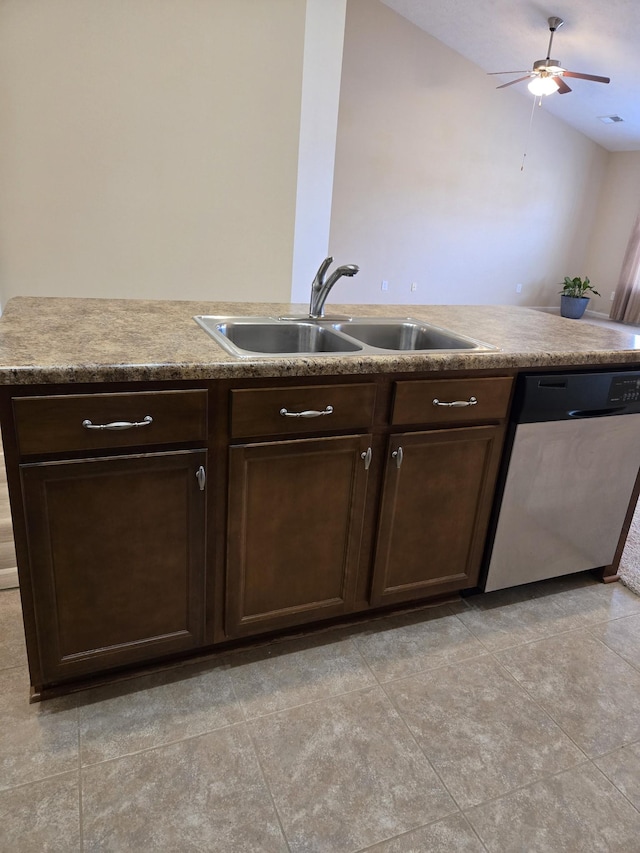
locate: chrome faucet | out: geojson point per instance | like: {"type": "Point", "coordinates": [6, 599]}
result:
{"type": "Point", "coordinates": [320, 288]}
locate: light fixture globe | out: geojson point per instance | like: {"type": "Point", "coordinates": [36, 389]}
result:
{"type": "Point", "coordinates": [543, 85]}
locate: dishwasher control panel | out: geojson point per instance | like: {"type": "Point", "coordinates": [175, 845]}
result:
{"type": "Point", "coordinates": [624, 389]}
{"type": "Point", "coordinates": [561, 396]}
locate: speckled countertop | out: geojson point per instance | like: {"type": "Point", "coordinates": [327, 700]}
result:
{"type": "Point", "coordinates": [46, 340]}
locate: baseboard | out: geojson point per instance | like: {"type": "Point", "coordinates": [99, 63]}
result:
{"type": "Point", "coordinates": [555, 309]}
{"type": "Point", "coordinates": [8, 578]}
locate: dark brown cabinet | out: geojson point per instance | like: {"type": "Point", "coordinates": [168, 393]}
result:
{"type": "Point", "coordinates": [435, 506]}
{"type": "Point", "coordinates": [295, 528]}
{"type": "Point", "coordinates": [116, 550]}
{"type": "Point", "coordinates": [438, 485]}
{"type": "Point", "coordinates": [110, 505]}
{"type": "Point", "coordinates": [324, 497]}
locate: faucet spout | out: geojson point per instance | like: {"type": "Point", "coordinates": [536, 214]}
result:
{"type": "Point", "coordinates": [321, 287]}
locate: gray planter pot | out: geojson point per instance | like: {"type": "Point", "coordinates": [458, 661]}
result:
{"type": "Point", "coordinates": [573, 306]}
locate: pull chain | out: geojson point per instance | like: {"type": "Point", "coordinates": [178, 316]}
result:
{"type": "Point", "coordinates": [533, 107]}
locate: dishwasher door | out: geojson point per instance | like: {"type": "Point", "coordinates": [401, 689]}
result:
{"type": "Point", "coordinates": [566, 495]}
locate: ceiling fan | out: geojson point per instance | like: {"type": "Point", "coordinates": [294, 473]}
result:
{"type": "Point", "coordinates": [547, 74]}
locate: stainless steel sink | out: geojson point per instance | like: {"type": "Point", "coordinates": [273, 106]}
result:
{"type": "Point", "coordinates": [270, 336]}
{"type": "Point", "coordinates": [409, 335]}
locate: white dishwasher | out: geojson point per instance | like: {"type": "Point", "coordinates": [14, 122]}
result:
{"type": "Point", "coordinates": [574, 459]}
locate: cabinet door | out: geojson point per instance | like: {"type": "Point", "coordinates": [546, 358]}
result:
{"type": "Point", "coordinates": [296, 510]}
{"type": "Point", "coordinates": [435, 508]}
{"type": "Point", "coordinates": [116, 548]}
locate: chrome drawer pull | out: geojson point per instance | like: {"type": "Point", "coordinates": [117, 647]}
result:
{"type": "Point", "coordinates": [366, 456]}
{"type": "Point", "coordinates": [398, 455]}
{"type": "Point", "coordinates": [310, 413]}
{"type": "Point", "coordinates": [472, 401]}
{"type": "Point", "coordinates": [146, 421]}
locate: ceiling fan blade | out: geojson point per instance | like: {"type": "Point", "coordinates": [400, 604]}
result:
{"type": "Point", "coordinates": [562, 86]}
{"type": "Point", "coordinates": [593, 77]}
{"type": "Point", "coordinates": [504, 85]}
{"type": "Point", "coordinates": [520, 71]}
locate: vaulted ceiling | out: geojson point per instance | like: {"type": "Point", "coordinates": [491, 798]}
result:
{"type": "Point", "coordinates": [599, 37]}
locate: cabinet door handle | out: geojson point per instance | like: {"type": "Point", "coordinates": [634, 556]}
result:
{"type": "Point", "coordinates": [310, 413]}
{"type": "Point", "coordinates": [201, 477]}
{"type": "Point", "coordinates": [398, 455]}
{"type": "Point", "coordinates": [146, 421]}
{"type": "Point", "coordinates": [366, 455]}
{"type": "Point", "coordinates": [472, 401]}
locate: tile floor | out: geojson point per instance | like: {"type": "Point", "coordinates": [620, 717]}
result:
{"type": "Point", "coordinates": [506, 722]}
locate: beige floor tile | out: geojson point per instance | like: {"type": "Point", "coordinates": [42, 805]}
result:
{"type": "Point", "coordinates": [345, 773]}
{"type": "Point", "coordinates": [13, 651]}
{"type": "Point", "coordinates": [35, 740]}
{"type": "Point", "coordinates": [623, 636]}
{"type": "Point", "coordinates": [7, 555]}
{"type": "Point", "coordinates": [202, 794]}
{"type": "Point", "coordinates": [483, 734]}
{"type": "Point", "coordinates": [283, 675]}
{"type": "Point", "coordinates": [154, 710]}
{"type": "Point", "coordinates": [6, 528]}
{"type": "Point", "coordinates": [620, 600]}
{"type": "Point", "coordinates": [417, 641]}
{"type": "Point", "coordinates": [578, 811]}
{"type": "Point", "coordinates": [587, 688]}
{"type": "Point", "coordinates": [451, 835]}
{"type": "Point", "coordinates": [623, 768]}
{"type": "Point", "coordinates": [43, 817]}
{"type": "Point", "coordinates": [502, 619]}
{"type": "Point", "coordinates": [591, 602]}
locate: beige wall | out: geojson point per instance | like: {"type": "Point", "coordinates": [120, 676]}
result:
{"type": "Point", "coordinates": [153, 148]}
{"type": "Point", "coordinates": [323, 41]}
{"type": "Point", "coordinates": [428, 187]}
{"type": "Point", "coordinates": [618, 207]}
{"type": "Point", "coordinates": [149, 147]}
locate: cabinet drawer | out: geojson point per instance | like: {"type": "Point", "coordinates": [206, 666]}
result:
{"type": "Point", "coordinates": [53, 424]}
{"type": "Point", "coordinates": [272, 411]}
{"type": "Point", "coordinates": [420, 401]}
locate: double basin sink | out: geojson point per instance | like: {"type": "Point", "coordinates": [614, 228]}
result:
{"type": "Point", "coordinates": [273, 336]}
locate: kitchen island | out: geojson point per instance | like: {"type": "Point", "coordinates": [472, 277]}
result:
{"type": "Point", "coordinates": [164, 507]}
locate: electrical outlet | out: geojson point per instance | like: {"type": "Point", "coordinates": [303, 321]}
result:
{"type": "Point", "coordinates": [518, 288]}
{"type": "Point", "coordinates": [384, 285]}
{"type": "Point", "coordinates": [414, 287]}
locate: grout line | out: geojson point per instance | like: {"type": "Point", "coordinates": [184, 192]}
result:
{"type": "Point", "coordinates": [316, 701]}
{"type": "Point", "coordinates": [552, 716]}
{"type": "Point", "coordinates": [80, 780]}
{"type": "Point", "coordinates": [423, 753]}
{"type": "Point", "coordinates": [163, 744]}
{"type": "Point", "coordinates": [235, 694]}
{"type": "Point", "coordinates": [37, 781]}
{"type": "Point", "coordinates": [617, 749]}
{"type": "Point", "coordinates": [541, 707]}
{"type": "Point", "coordinates": [21, 666]}
{"type": "Point", "coordinates": [408, 832]}
{"type": "Point", "coordinates": [529, 642]}
{"type": "Point", "coordinates": [267, 786]}
{"type": "Point", "coordinates": [619, 790]}
{"type": "Point", "coordinates": [524, 787]}
{"type": "Point", "coordinates": [607, 646]}
{"type": "Point", "coordinates": [442, 665]}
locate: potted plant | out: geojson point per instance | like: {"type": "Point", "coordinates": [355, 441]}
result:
{"type": "Point", "coordinates": [573, 300]}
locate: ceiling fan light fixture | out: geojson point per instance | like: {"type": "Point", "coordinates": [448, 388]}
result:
{"type": "Point", "coordinates": [542, 86]}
